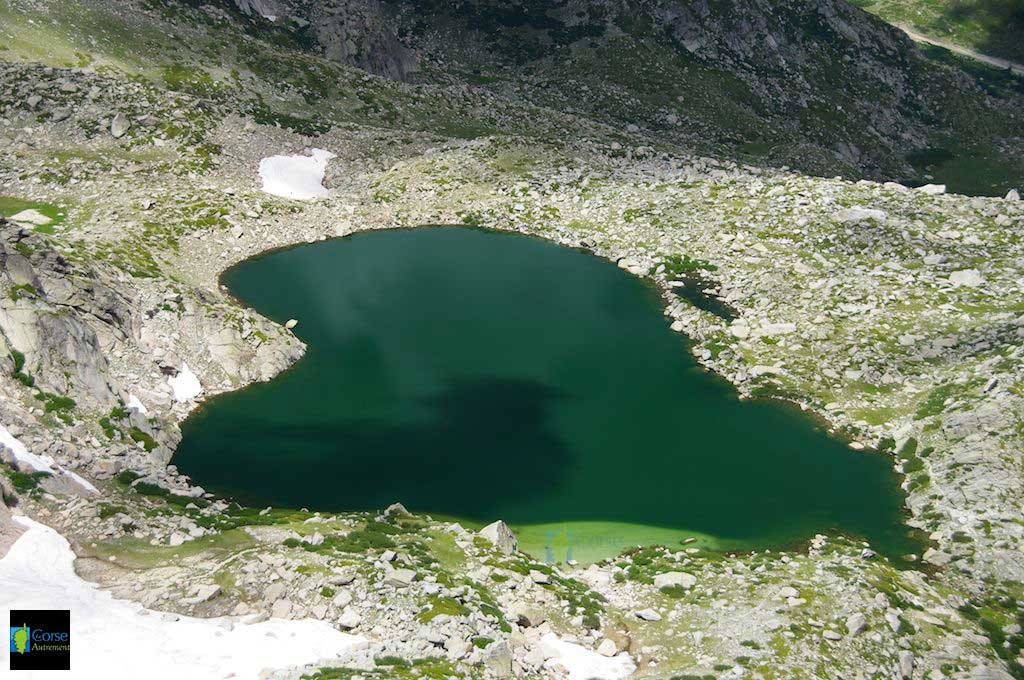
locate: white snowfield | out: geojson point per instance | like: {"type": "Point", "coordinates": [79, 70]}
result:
{"type": "Point", "coordinates": [584, 664]}
{"type": "Point", "coordinates": [27, 459]}
{"type": "Point", "coordinates": [185, 385]}
{"type": "Point", "coordinates": [298, 177]}
{"type": "Point", "coordinates": [115, 639]}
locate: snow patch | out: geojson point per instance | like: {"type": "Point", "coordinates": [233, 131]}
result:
{"type": "Point", "coordinates": [185, 385]}
{"type": "Point", "coordinates": [299, 177]}
{"type": "Point", "coordinates": [38, 573]}
{"type": "Point", "coordinates": [134, 403]}
{"type": "Point", "coordinates": [585, 664]}
{"type": "Point", "coordinates": [23, 455]}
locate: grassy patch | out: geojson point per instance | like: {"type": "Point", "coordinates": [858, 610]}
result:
{"type": "Point", "coordinates": [442, 605]}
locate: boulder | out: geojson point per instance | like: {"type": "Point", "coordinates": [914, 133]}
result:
{"type": "Point", "coordinates": [970, 278]}
{"type": "Point", "coordinates": [274, 591]}
{"type": "Point", "coordinates": [350, 618]}
{"type": "Point", "coordinates": [501, 536]}
{"type": "Point", "coordinates": [203, 593]}
{"type": "Point", "coordinates": [498, 659]}
{"type": "Point", "coordinates": [30, 217]}
{"type": "Point", "coordinates": [906, 664]}
{"type": "Point", "coordinates": [856, 624]}
{"type": "Point", "coordinates": [396, 510]}
{"type": "Point", "coordinates": [400, 578]}
{"type": "Point", "coordinates": [527, 616]}
{"type": "Point", "coordinates": [675, 578]}
{"type": "Point", "coordinates": [119, 126]}
{"type": "Point", "coordinates": [988, 673]}
{"type": "Point", "coordinates": [859, 214]}
{"type": "Point", "coordinates": [936, 557]}
{"type": "Point", "coordinates": [932, 189]}
{"type": "Point", "coordinates": [281, 609]}
{"type": "Point", "coordinates": [539, 577]}
{"type": "Point", "coordinates": [648, 615]}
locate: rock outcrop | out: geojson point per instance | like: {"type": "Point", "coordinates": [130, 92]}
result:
{"type": "Point", "coordinates": [57, 319]}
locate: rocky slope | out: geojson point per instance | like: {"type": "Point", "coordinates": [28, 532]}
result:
{"type": "Point", "coordinates": [820, 86]}
{"type": "Point", "coordinates": [893, 313]}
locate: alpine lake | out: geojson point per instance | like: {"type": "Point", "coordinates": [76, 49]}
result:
{"type": "Point", "coordinates": [479, 375]}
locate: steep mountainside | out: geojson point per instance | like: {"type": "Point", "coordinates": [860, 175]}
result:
{"type": "Point", "coordinates": [817, 85]}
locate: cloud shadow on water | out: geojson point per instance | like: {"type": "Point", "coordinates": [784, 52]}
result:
{"type": "Point", "coordinates": [424, 465]}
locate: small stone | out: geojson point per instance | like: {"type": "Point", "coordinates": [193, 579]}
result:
{"type": "Point", "coordinates": [539, 577]}
{"type": "Point", "coordinates": [607, 648]}
{"type": "Point", "coordinates": [291, 323]}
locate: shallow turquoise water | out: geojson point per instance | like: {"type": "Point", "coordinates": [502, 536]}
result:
{"type": "Point", "coordinates": [485, 375]}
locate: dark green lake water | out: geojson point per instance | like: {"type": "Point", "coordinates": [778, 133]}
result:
{"type": "Point", "coordinates": [482, 375]}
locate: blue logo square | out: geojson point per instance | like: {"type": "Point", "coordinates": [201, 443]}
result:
{"type": "Point", "coordinates": [21, 639]}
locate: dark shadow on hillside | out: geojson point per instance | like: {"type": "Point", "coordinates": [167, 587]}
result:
{"type": "Point", "coordinates": [1003, 20]}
